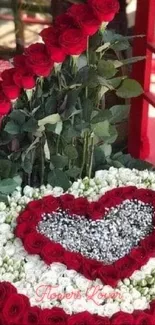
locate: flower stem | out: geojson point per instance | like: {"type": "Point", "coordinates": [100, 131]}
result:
{"type": "Point", "coordinates": [87, 55]}
{"type": "Point", "coordinates": [85, 149]}
{"type": "Point", "coordinates": [42, 161]}
{"type": "Point", "coordinates": [91, 155]}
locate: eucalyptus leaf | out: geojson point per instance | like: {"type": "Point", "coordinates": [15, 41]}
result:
{"type": "Point", "coordinates": [119, 113]}
{"type": "Point", "coordinates": [51, 105]}
{"type": "Point", "coordinates": [57, 177]}
{"type": "Point", "coordinates": [51, 119]}
{"type": "Point", "coordinates": [73, 172]}
{"type": "Point", "coordinates": [106, 69]}
{"type": "Point", "coordinates": [101, 115]}
{"type": "Point", "coordinates": [18, 117]}
{"type": "Point", "coordinates": [101, 129]}
{"type": "Point", "coordinates": [71, 152]}
{"type": "Point", "coordinates": [58, 161]}
{"type": "Point", "coordinates": [129, 88]}
{"type": "Point", "coordinates": [12, 128]}
{"type": "Point", "coordinates": [30, 126]}
{"type": "Point", "coordinates": [7, 186]}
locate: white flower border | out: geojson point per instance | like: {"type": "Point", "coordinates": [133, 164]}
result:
{"type": "Point", "coordinates": [29, 274]}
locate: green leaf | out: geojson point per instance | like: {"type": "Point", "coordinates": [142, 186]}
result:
{"type": "Point", "coordinates": [7, 186]}
{"type": "Point", "coordinates": [73, 172]}
{"type": "Point", "coordinates": [87, 109]}
{"type": "Point", "coordinates": [135, 59]}
{"type": "Point", "coordinates": [103, 47]}
{"type": "Point", "coordinates": [119, 113]}
{"type": "Point", "coordinates": [5, 168]}
{"type": "Point", "coordinates": [18, 116]}
{"type": "Point", "coordinates": [57, 177]}
{"type": "Point", "coordinates": [101, 116]}
{"type": "Point", "coordinates": [107, 149]}
{"type": "Point", "coordinates": [12, 128]}
{"type": "Point", "coordinates": [101, 129]}
{"type": "Point", "coordinates": [58, 161]}
{"type": "Point", "coordinates": [129, 88]}
{"type": "Point", "coordinates": [51, 105]}
{"type": "Point", "coordinates": [50, 119]}
{"type": "Point", "coordinates": [106, 69]}
{"type": "Point", "coordinates": [113, 135]}
{"type": "Point", "coordinates": [71, 152]}
{"type": "Point", "coordinates": [30, 126]}
{"type": "Point", "coordinates": [115, 82]}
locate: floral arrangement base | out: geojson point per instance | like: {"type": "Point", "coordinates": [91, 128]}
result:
{"type": "Point", "coordinates": [83, 257]}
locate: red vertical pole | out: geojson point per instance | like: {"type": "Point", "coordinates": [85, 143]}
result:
{"type": "Point", "coordinates": [138, 145]}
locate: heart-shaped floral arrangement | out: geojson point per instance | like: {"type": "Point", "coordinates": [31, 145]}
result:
{"type": "Point", "coordinates": [108, 239]}
{"type": "Point", "coordinates": [104, 250]}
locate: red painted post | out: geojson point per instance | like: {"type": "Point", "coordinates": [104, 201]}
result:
{"type": "Point", "coordinates": [138, 145]}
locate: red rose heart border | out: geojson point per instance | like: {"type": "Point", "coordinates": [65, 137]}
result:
{"type": "Point", "coordinates": [15, 309]}
{"type": "Point", "coordinates": [49, 251]}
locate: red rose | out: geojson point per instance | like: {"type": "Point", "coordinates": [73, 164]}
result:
{"type": "Point", "coordinates": [6, 289]}
{"type": "Point", "coordinates": [54, 316]}
{"type": "Point", "coordinates": [38, 59]}
{"type": "Point", "coordinates": [98, 320]}
{"type": "Point", "coordinates": [108, 274]}
{"type": "Point", "coordinates": [85, 18]}
{"type": "Point", "coordinates": [80, 206]}
{"type": "Point", "coordinates": [73, 261]}
{"type": "Point", "coordinates": [19, 62]}
{"type": "Point", "coordinates": [50, 37]}
{"type": "Point", "coordinates": [1, 320]}
{"type": "Point", "coordinates": [139, 254]}
{"type": "Point", "coordinates": [83, 318]}
{"type": "Point", "coordinates": [125, 266]}
{"type": "Point", "coordinates": [142, 318]}
{"type": "Point", "coordinates": [144, 195]}
{"type": "Point", "coordinates": [24, 80]}
{"type": "Point", "coordinates": [34, 243]}
{"type": "Point", "coordinates": [122, 318]}
{"type": "Point", "coordinates": [32, 217]}
{"type": "Point", "coordinates": [73, 41]}
{"type": "Point", "coordinates": [50, 203]}
{"type": "Point", "coordinates": [14, 308]}
{"type": "Point", "coordinates": [95, 210]}
{"type": "Point", "coordinates": [23, 229]}
{"type": "Point", "coordinates": [32, 316]}
{"type": "Point", "coordinates": [67, 201]}
{"type": "Point", "coordinates": [90, 268]}
{"type": "Point", "coordinates": [63, 22]}
{"type": "Point", "coordinates": [52, 252]}
{"type": "Point", "coordinates": [105, 10]}
{"type": "Point", "coordinates": [152, 307]}
{"type": "Point", "coordinates": [148, 244]}
{"type": "Point", "coordinates": [5, 104]}
{"type": "Point", "coordinates": [10, 89]}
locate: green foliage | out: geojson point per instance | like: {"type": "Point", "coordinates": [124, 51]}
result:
{"type": "Point", "coordinates": [63, 130]}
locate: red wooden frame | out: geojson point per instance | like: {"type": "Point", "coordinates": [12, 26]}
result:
{"type": "Point", "coordinates": [138, 145]}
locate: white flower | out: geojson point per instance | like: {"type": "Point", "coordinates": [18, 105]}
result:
{"type": "Point", "coordinates": [140, 303]}
{"type": "Point", "coordinates": [28, 191]}
{"type": "Point", "coordinates": [127, 307]}
{"type": "Point", "coordinates": [111, 308]}
{"type": "Point", "coordinates": [2, 206]}
{"type": "Point", "coordinates": [4, 228]}
{"type": "Point", "coordinates": [57, 191]}
{"type": "Point", "coordinates": [82, 283]}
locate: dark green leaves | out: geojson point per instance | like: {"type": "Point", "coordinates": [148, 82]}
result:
{"type": "Point", "coordinates": [58, 178]}
{"type": "Point", "coordinates": [12, 128]}
{"type": "Point", "coordinates": [129, 88]}
{"type": "Point", "coordinates": [7, 186]}
{"type": "Point", "coordinates": [106, 69]}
